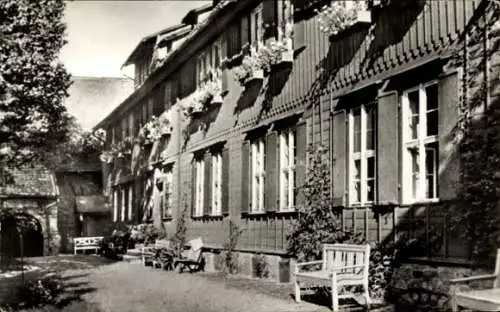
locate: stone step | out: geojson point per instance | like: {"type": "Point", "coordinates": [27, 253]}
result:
{"type": "Point", "coordinates": [134, 252]}
{"type": "Point", "coordinates": [131, 258]}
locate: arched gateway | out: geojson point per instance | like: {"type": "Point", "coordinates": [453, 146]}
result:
{"type": "Point", "coordinates": [21, 231]}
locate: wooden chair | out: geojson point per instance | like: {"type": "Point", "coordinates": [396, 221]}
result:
{"type": "Point", "coordinates": [149, 252]}
{"type": "Point", "coordinates": [483, 299]}
{"type": "Point", "coordinates": [342, 265]}
{"type": "Point", "coordinates": [192, 259]}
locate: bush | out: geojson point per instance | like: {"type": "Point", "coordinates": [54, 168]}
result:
{"type": "Point", "coordinates": [383, 260]}
{"type": "Point", "coordinates": [230, 262]}
{"type": "Point", "coordinates": [39, 293]}
{"type": "Point", "coordinates": [260, 266]}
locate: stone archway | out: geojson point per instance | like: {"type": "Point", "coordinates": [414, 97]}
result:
{"type": "Point", "coordinates": [32, 237]}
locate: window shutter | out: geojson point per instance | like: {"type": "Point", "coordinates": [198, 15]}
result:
{"type": "Point", "coordinates": [225, 181]}
{"type": "Point", "coordinates": [339, 158]}
{"type": "Point", "coordinates": [168, 95]}
{"type": "Point", "coordinates": [449, 165]}
{"type": "Point", "coordinates": [299, 36]}
{"type": "Point", "coordinates": [246, 183]}
{"type": "Point", "coordinates": [387, 148]}
{"type": "Point", "coordinates": [193, 188]}
{"type": "Point", "coordinates": [224, 79]}
{"type": "Point", "coordinates": [271, 168]}
{"type": "Point", "coordinates": [301, 163]}
{"type": "Point", "coordinates": [245, 28]}
{"type": "Point", "coordinates": [269, 18]}
{"type": "Point", "coordinates": [207, 185]}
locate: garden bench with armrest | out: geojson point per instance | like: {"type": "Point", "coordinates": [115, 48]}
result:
{"type": "Point", "coordinates": [342, 265]}
{"type": "Point", "coordinates": [483, 299]}
{"type": "Point", "coordinates": [191, 259]}
{"type": "Point", "coordinates": [153, 254]}
{"type": "Point", "coordinates": [87, 243]}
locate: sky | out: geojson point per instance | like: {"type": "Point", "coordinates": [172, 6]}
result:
{"type": "Point", "coordinates": [102, 34]}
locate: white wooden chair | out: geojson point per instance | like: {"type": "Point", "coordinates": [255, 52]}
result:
{"type": "Point", "coordinates": [191, 259]}
{"type": "Point", "coordinates": [480, 300]}
{"type": "Point", "coordinates": [342, 265]}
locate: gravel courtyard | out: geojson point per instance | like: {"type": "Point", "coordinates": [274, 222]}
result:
{"type": "Point", "coordinates": [123, 287]}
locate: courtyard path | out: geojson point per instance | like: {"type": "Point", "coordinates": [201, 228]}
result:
{"type": "Point", "coordinates": [124, 287]}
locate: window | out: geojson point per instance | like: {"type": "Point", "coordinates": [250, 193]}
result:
{"type": "Point", "coordinates": [199, 187]}
{"type": "Point", "coordinates": [131, 126]}
{"type": "Point", "coordinates": [115, 205]}
{"type": "Point", "coordinates": [168, 189]}
{"type": "Point", "coordinates": [362, 131]}
{"type": "Point", "coordinates": [216, 184]}
{"type": "Point", "coordinates": [420, 142]}
{"type": "Point", "coordinates": [256, 25]}
{"type": "Point", "coordinates": [287, 158]}
{"type": "Point", "coordinates": [257, 174]}
{"type": "Point", "coordinates": [123, 204]}
{"type": "Point", "coordinates": [130, 201]}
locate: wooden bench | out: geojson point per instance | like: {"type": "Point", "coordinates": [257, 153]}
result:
{"type": "Point", "coordinates": [191, 259]}
{"type": "Point", "coordinates": [149, 253]}
{"type": "Point", "coordinates": [87, 243]}
{"type": "Point", "coordinates": [483, 299]}
{"type": "Point", "coordinates": [342, 265]}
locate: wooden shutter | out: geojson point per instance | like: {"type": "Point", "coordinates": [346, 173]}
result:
{"type": "Point", "coordinates": [387, 148]}
{"type": "Point", "coordinates": [269, 18]}
{"type": "Point", "coordinates": [271, 172]}
{"type": "Point", "coordinates": [449, 165]}
{"type": "Point", "coordinates": [193, 188]}
{"type": "Point", "coordinates": [225, 181]}
{"type": "Point", "coordinates": [168, 95]}
{"type": "Point", "coordinates": [245, 30]}
{"type": "Point", "coordinates": [299, 36]}
{"type": "Point", "coordinates": [300, 163]}
{"type": "Point", "coordinates": [207, 185]}
{"type": "Point", "coordinates": [233, 40]}
{"type": "Point", "coordinates": [339, 158]}
{"type": "Point", "coordinates": [246, 183]}
{"type": "Point", "coordinates": [224, 79]}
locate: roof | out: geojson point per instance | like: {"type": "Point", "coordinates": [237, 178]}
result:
{"type": "Point", "coordinates": [192, 16]}
{"type": "Point", "coordinates": [92, 97]}
{"type": "Point", "coordinates": [91, 204]}
{"type": "Point", "coordinates": [164, 39]}
{"type": "Point", "coordinates": [148, 39]}
{"type": "Point", "coordinates": [30, 182]}
{"type": "Point", "coordinates": [191, 37]}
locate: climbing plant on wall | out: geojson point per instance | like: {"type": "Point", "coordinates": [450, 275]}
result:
{"type": "Point", "coordinates": [478, 131]}
{"type": "Point", "coordinates": [317, 222]}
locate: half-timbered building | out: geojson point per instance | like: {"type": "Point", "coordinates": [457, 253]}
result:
{"type": "Point", "coordinates": [383, 93]}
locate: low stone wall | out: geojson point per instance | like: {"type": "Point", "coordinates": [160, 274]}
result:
{"type": "Point", "coordinates": [419, 287]}
{"type": "Point", "coordinates": [278, 268]}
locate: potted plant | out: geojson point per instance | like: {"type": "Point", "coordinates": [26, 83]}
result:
{"type": "Point", "coordinates": [340, 15]}
{"type": "Point", "coordinates": [252, 67]}
{"type": "Point", "coordinates": [285, 45]}
{"type": "Point", "coordinates": [106, 157]}
{"type": "Point", "coordinates": [127, 145]}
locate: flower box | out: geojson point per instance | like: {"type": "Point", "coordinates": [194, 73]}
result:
{"type": "Point", "coordinates": [256, 74]}
{"type": "Point", "coordinates": [339, 16]}
{"type": "Point", "coordinates": [286, 54]}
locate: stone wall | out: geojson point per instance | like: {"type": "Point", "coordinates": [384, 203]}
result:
{"type": "Point", "coordinates": [46, 213]}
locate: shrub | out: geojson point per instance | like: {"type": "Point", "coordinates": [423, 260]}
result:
{"type": "Point", "coordinates": [317, 222]}
{"type": "Point", "coordinates": [260, 266]}
{"type": "Point", "coordinates": [39, 293]}
{"type": "Point", "coordinates": [230, 262]}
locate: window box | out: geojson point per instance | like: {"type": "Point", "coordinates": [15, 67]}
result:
{"type": "Point", "coordinates": [257, 74]}
{"type": "Point", "coordinates": [340, 15]}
